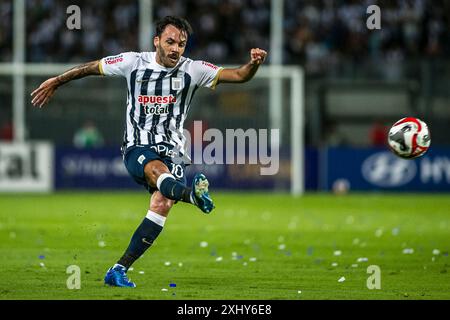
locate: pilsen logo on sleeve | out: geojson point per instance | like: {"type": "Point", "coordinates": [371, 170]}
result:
{"type": "Point", "coordinates": [210, 65]}
{"type": "Point", "coordinates": [113, 60]}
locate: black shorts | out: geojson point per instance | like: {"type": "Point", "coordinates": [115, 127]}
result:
{"type": "Point", "coordinates": [136, 157]}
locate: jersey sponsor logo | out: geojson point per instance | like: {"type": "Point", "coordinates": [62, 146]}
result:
{"type": "Point", "coordinates": [113, 60]}
{"type": "Point", "coordinates": [210, 65]}
{"type": "Point", "coordinates": [383, 169]}
{"type": "Point", "coordinates": [156, 109]}
{"type": "Point", "coordinates": [145, 100]}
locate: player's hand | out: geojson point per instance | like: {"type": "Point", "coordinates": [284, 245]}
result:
{"type": "Point", "coordinates": [45, 91]}
{"type": "Point", "coordinates": [257, 56]}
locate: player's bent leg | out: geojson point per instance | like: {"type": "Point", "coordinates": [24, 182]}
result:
{"type": "Point", "coordinates": [153, 169]}
{"type": "Point", "coordinates": [142, 239]}
{"type": "Point", "coordinates": [159, 176]}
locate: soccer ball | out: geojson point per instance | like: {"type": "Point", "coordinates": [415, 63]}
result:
{"type": "Point", "coordinates": [409, 138]}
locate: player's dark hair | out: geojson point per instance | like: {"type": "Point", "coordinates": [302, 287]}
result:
{"type": "Point", "coordinates": [177, 22]}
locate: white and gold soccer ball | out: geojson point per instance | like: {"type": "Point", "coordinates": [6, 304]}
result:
{"type": "Point", "coordinates": [409, 138]}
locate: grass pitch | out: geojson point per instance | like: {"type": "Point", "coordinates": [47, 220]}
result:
{"type": "Point", "coordinates": [253, 246]}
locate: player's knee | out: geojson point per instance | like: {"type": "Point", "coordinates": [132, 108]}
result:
{"type": "Point", "coordinates": [153, 170]}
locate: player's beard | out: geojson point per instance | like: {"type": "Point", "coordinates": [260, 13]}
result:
{"type": "Point", "coordinates": [167, 61]}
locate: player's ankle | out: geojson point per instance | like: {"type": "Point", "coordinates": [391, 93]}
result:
{"type": "Point", "coordinates": [173, 189]}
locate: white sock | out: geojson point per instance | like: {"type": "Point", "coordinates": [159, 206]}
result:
{"type": "Point", "coordinates": [156, 218]}
{"type": "Point", "coordinates": [162, 177]}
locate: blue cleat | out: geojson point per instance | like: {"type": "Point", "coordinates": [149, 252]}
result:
{"type": "Point", "coordinates": [117, 277]}
{"type": "Point", "coordinates": [200, 193]}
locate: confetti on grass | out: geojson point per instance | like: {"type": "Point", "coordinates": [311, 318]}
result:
{"type": "Point", "coordinates": [408, 251]}
{"type": "Point", "coordinates": [378, 233]}
{"type": "Point", "coordinates": [436, 252]}
{"type": "Point", "coordinates": [363, 259]}
{"type": "Point", "coordinates": [395, 231]}
{"type": "Point", "coordinates": [164, 289]}
{"type": "Point", "coordinates": [167, 263]}
{"type": "Point", "coordinates": [203, 244]}
{"type": "Point", "coordinates": [341, 279]}
{"type": "Point", "coordinates": [218, 259]}
{"type": "Point", "coordinates": [337, 253]}
{"type": "Point", "coordinates": [141, 272]}
{"type": "Point", "coordinates": [172, 285]}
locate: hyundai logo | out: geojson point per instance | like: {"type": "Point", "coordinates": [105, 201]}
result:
{"type": "Point", "coordinates": [384, 169]}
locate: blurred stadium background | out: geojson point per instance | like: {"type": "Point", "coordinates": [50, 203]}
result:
{"type": "Point", "coordinates": [357, 82]}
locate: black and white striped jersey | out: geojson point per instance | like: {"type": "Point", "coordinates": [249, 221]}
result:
{"type": "Point", "coordinates": [158, 98]}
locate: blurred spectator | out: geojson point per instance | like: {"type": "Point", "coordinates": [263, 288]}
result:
{"type": "Point", "coordinates": [333, 136]}
{"type": "Point", "coordinates": [6, 31]}
{"type": "Point", "coordinates": [88, 136]}
{"type": "Point", "coordinates": [6, 131]}
{"type": "Point", "coordinates": [378, 134]}
{"type": "Point", "coordinates": [108, 27]}
{"type": "Point", "coordinates": [323, 35]}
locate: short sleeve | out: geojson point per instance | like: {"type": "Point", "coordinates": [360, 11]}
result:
{"type": "Point", "coordinates": [207, 74]}
{"type": "Point", "coordinates": [120, 65]}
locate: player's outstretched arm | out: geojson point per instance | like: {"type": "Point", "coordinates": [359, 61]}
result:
{"type": "Point", "coordinates": [47, 89]}
{"type": "Point", "coordinates": [245, 72]}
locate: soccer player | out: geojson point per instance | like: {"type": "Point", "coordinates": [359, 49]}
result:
{"type": "Point", "coordinates": [161, 86]}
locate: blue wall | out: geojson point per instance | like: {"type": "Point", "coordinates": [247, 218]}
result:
{"type": "Point", "coordinates": [363, 169]}
{"type": "Point", "coordinates": [379, 169]}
